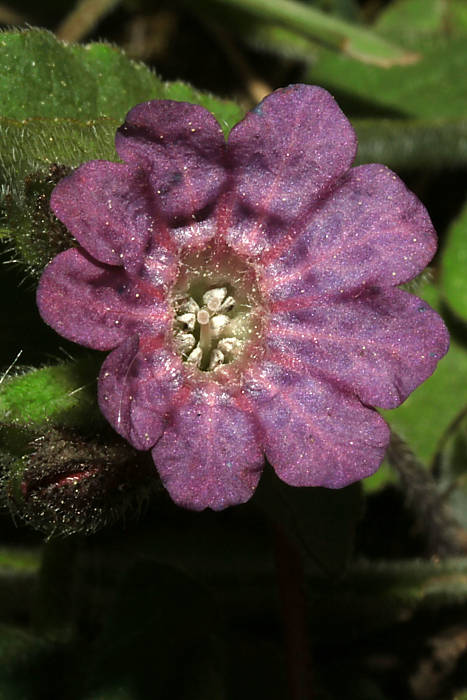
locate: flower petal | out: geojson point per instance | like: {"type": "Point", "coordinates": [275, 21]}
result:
{"type": "Point", "coordinates": [371, 231]}
{"type": "Point", "coordinates": [210, 456]}
{"type": "Point", "coordinates": [285, 155]}
{"type": "Point", "coordinates": [137, 383]}
{"type": "Point", "coordinates": [97, 305]}
{"type": "Point", "coordinates": [108, 209]}
{"type": "Point", "coordinates": [315, 433]}
{"type": "Point", "coordinates": [381, 345]}
{"type": "Point", "coordinates": [182, 147]}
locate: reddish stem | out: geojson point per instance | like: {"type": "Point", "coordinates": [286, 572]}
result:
{"type": "Point", "coordinates": [294, 617]}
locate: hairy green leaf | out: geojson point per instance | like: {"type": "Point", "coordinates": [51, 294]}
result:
{"type": "Point", "coordinates": [63, 394]}
{"type": "Point", "coordinates": [43, 77]}
{"type": "Point", "coordinates": [34, 155]}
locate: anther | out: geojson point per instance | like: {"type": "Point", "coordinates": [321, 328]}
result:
{"type": "Point", "coordinates": [188, 307]}
{"type": "Point", "coordinates": [195, 356]}
{"type": "Point", "coordinates": [213, 298]}
{"type": "Point", "coordinates": [216, 359]}
{"type": "Point", "coordinates": [227, 304]}
{"type": "Point", "coordinates": [218, 323]}
{"type": "Point", "coordinates": [184, 342]}
{"type": "Point", "coordinates": [230, 346]}
{"type": "Point", "coordinates": [188, 320]}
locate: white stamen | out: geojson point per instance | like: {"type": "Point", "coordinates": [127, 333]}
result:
{"type": "Point", "coordinates": [216, 359]}
{"type": "Point", "coordinates": [213, 298]}
{"type": "Point", "coordinates": [208, 323]}
{"type": "Point", "coordinates": [227, 304]}
{"type": "Point", "coordinates": [188, 320]}
{"type": "Point", "coordinates": [229, 346]}
{"type": "Point", "coordinates": [195, 356]}
{"type": "Point", "coordinates": [218, 323]}
{"type": "Point", "coordinates": [188, 307]}
{"type": "Point", "coordinates": [184, 342]}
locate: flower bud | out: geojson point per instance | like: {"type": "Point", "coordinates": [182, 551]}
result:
{"type": "Point", "coordinates": [69, 483]}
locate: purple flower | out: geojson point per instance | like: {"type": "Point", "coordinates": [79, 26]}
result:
{"type": "Point", "coordinates": [248, 292]}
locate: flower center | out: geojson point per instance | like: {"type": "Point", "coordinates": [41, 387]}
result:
{"type": "Point", "coordinates": [212, 330]}
{"type": "Point", "coordinates": [215, 314]}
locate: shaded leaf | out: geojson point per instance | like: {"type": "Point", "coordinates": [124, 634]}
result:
{"type": "Point", "coordinates": [19, 560]}
{"type": "Point", "coordinates": [160, 634]}
{"type": "Point", "coordinates": [27, 665]}
{"type": "Point", "coordinates": [412, 143]}
{"type": "Point", "coordinates": [18, 579]}
{"type": "Point", "coordinates": [451, 469]}
{"type": "Point", "coordinates": [273, 38]}
{"type": "Point", "coordinates": [383, 476]}
{"type": "Point", "coordinates": [377, 594]}
{"type": "Point", "coordinates": [321, 522]}
{"type": "Point", "coordinates": [454, 266]}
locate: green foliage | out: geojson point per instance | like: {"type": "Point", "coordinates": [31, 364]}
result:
{"type": "Point", "coordinates": [382, 477]}
{"type": "Point", "coordinates": [408, 19]}
{"type": "Point", "coordinates": [429, 88]}
{"type": "Point", "coordinates": [40, 142]}
{"type": "Point", "coordinates": [19, 560]}
{"type": "Point", "coordinates": [348, 38]}
{"type": "Point", "coordinates": [34, 155]}
{"type": "Point", "coordinates": [44, 78]}
{"type": "Point", "coordinates": [430, 410]}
